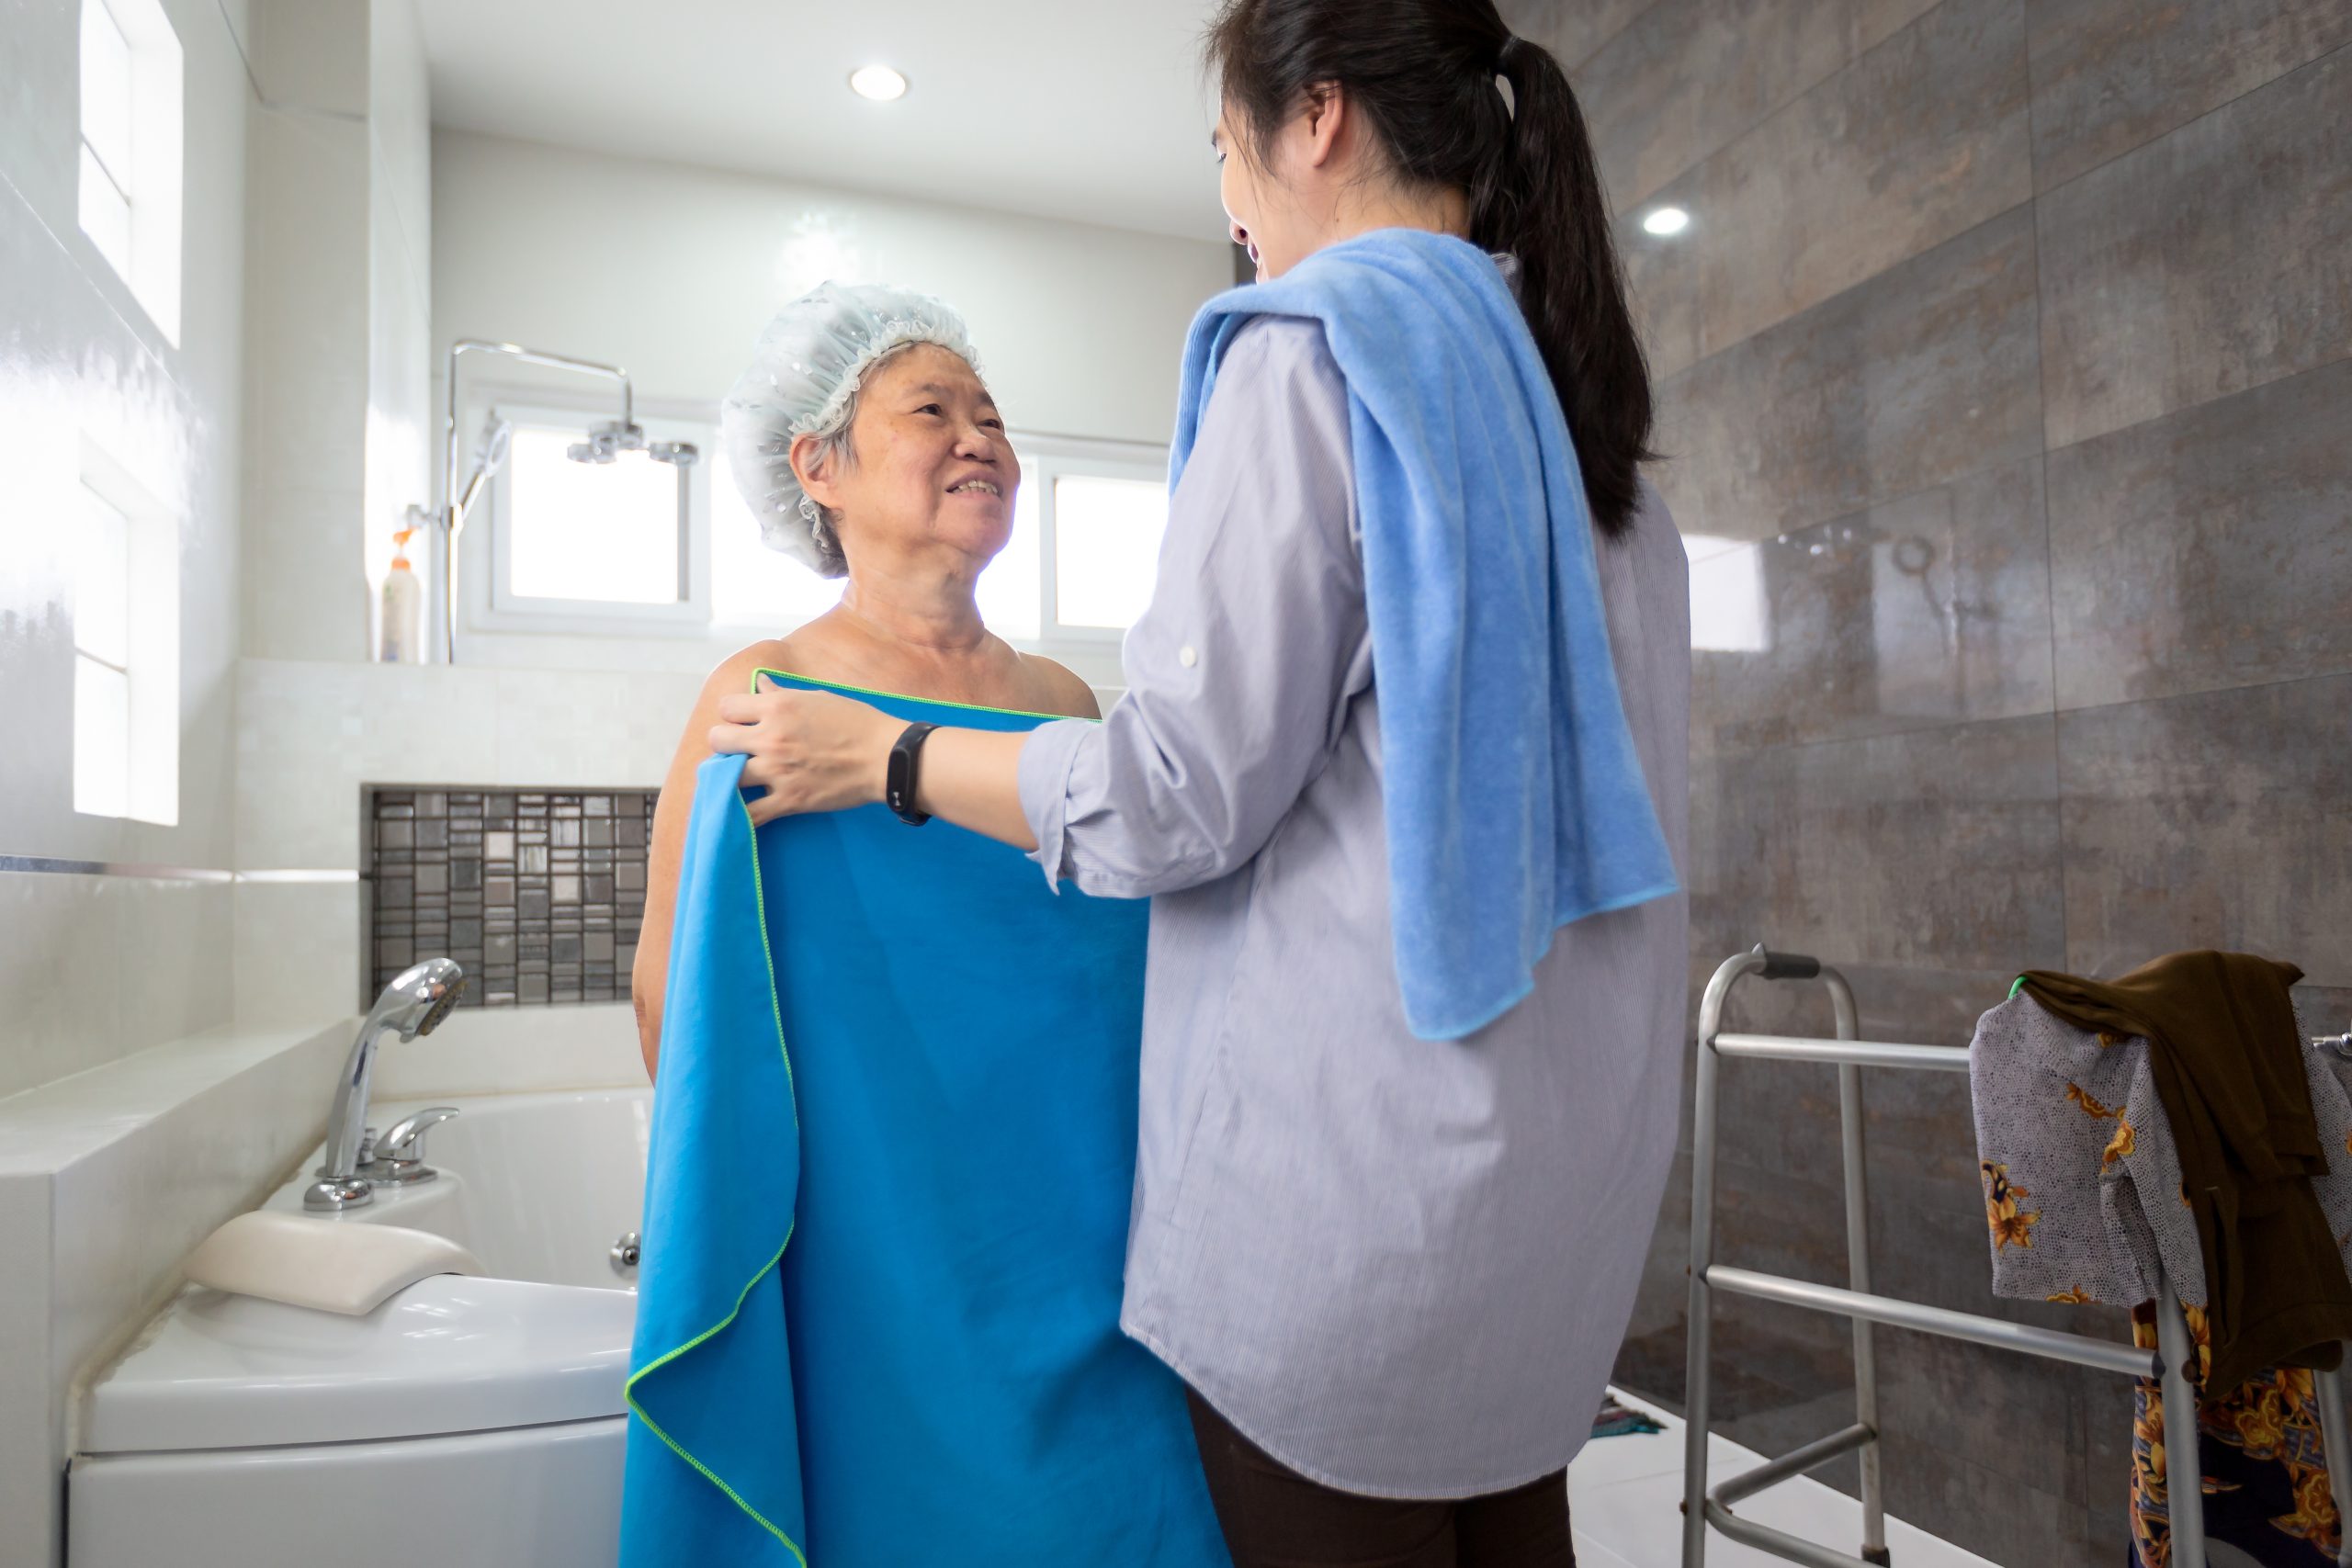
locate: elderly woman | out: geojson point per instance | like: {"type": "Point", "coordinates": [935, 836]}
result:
{"type": "Point", "coordinates": [869, 448]}
{"type": "Point", "coordinates": [891, 1155]}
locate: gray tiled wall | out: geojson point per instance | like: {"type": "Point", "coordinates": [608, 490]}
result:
{"type": "Point", "coordinates": [2016, 337]}
{"type": "Point", "coordinates": [537, 893]}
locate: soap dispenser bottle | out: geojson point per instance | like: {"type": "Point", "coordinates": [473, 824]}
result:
{"type": "Point", "coordinates": [403, 633]}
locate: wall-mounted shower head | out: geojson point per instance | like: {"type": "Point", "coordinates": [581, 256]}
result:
{"type": "Point", "coordinates": [607, 441]}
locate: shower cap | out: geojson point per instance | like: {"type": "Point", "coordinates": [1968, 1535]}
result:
{"type": "Point", "coordinates": [805, 373]}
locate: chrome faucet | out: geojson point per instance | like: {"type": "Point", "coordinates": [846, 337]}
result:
{"type": "Point", "coordinates": [414, 1004]}
{"type": "Point", "coordinates": [397, 1159]}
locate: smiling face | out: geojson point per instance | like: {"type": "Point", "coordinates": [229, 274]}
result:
{"type": "Point", "coordinates": [928, 470]}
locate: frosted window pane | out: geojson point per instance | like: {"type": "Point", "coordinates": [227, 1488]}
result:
{"type": "Point", "coordinates": [1010, 593]}
{"type": "Point", "coordinates": [101, 738]}
{"type": "Point", "coordinates": [106, 90]}
{"type": "Point", "coordinates": [1106, 547]}
{"type": "Point", "coordinates": [102, 582]}
{"type": "Point", "coordinates": [604, 532]}
{"type": "Point", "coordinates": [105, 216]}
{"type": "Point", "coordinates": [751, 584]}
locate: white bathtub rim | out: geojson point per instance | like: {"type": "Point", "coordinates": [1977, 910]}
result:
{"type": "Point", "coordinates": [447, 1354]}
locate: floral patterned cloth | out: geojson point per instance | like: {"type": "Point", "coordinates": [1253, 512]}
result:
{"type": "Point", "coordinates": [2082, 1201]}
{"type": "Point", "coordinates": [2265, 1469]}
{"type": "Point", "coordinates": [2081, 1178]}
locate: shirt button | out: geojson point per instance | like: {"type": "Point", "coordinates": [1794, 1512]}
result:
{"type": "Point", "coordinates": [1186, 656]}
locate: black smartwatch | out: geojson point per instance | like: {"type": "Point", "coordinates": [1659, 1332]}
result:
{"type": "Point", "coordinates": [899, 783]}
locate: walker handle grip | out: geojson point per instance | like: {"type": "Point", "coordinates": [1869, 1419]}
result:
{"type": "Point", "coordinates": [1787, 966]}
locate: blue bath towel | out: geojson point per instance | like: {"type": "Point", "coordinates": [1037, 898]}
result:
{"type": "Point", "coordinates": [886, 1212]}
{"type": "Point", "coordinates": [1515, 801]}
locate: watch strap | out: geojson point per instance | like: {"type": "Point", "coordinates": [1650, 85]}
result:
{"type": "Point", "coordinates": [899, 779]}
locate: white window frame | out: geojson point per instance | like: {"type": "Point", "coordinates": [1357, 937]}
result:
{"type": "Point", "coordinates": [492, 605]}
{"type": "Point", "coordinates": [1043, 459]}
{"type": "Point", "coordinates": [151, 188]}
{"type": "Point", "coordinates": [151, 664]}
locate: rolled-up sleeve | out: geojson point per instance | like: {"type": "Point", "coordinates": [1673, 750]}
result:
{"type": "Point", "coordinates": [1240, 672]}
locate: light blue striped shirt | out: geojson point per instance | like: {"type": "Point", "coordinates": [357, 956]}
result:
{"type": "Point", "coordinates": [1400, 1267]}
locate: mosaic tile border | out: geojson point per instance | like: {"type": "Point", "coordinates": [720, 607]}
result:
{"type": "Point", "coordinates": [538, 893]}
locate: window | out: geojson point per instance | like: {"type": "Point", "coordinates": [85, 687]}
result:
{"type": "Point", "coordinates": [1104, 505]}
{"type": "Point", "coordinates": [126, 649]}
{"type": "Point", "coordinates": [608, 532]}
{"type": "Point", "coordinates": [1085, 549]}
{"type": "Point", "coordinates": [130, 184]}
{"type": "Point", "coordinates": [1106, 544]}
{"type": "Point", "coordinates": [752, 586]}
{"type": "Point", "coordinates": [106, 135]}
{"type": "Point", "coordinates": [102, 660]}
{"type": "Point", "coordinates": [639, 547]}
{"type": "Point", "coordinates": [583, 546]}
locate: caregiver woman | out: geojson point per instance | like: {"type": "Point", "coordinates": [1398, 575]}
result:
{"type": "Point", "coordinates": [1402, 765]}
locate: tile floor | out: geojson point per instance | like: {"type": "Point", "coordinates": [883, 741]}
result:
{"type": "Point", "coordinates": [1625, 1494]}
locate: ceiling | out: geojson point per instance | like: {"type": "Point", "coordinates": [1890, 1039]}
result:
{"type": "Point", "coordinates": [1092, 110]}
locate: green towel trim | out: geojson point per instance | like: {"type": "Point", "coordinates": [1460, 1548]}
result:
{"type": "Point", "coordinates": [628, 1389]}
{"type": "Point", "coordinates": [909, 696]}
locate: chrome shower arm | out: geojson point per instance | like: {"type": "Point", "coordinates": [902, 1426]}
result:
{"type": "Point", "coordinates": [456, 503]}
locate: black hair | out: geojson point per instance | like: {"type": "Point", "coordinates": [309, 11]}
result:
{"type": "Point", "coordinates": [1423, 73]}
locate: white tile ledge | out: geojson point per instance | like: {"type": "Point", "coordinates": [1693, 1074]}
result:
{"type": "Point", "coordinates": [56, 1125]}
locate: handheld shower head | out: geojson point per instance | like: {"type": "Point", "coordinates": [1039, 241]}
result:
{"type": "Point", "coordinates": [420, 998]}
{"type": "Point", "coordinates": [415, 1002]}
{"type": "Point", "coordinates": [496, 435]}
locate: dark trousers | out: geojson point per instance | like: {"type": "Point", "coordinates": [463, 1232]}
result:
{"type": "Point", "coordinates": [1275, 1517]}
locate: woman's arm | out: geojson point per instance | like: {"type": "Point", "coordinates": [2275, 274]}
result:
{"type": "Point", "coordinates": [649, 975]}
{"type": "Point", "coordinates": [818, 752]}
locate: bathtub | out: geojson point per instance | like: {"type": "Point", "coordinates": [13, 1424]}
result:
{"type": "Point", "coordinates": [467, 1422]}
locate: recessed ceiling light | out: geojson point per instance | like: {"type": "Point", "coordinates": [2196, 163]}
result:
{"type": "Point", "coordinates": [1667, 221]}
{"type": "Point", "coordinates": [878, 82]}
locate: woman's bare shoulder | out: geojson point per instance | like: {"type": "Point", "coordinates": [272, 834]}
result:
{"type": "Point", "coordinates": [737, 672]}
{"type": "Point", "coordinates": [1062, 690]}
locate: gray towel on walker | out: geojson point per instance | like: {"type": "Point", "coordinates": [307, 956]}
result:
{"type": "Point", "coordinates": [2082, 1182]}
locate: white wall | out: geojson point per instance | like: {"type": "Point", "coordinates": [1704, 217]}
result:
{"type": "Point", "coordinates": [78, 355]}
{"type": "Point", "coordinates": [339, 394]}
{"type": "Point", "coordinates": [94, 968]}
{"type": "Point", "coordinates": [670, 271]}
{"type": "Point", "coordinates": [133, 1115]}
{"type": "Point", "coordinates": [338, 337]}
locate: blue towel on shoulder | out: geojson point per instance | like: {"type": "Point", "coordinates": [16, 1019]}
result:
{"type": "Point", "coordinates": [1515, 801]}
{"type": "Point", "coordinates": [886, 1212]}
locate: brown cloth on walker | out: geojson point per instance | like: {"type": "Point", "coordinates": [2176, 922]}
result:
{"type": "Point", "coordinates": [2227, 1060]}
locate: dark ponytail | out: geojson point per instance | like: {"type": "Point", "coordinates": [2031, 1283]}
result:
{"type": "Point", "coordinates": [1422, 74]}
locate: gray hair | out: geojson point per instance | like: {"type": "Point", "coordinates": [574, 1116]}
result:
{"type": "Point", "coordinates": [834, 447]}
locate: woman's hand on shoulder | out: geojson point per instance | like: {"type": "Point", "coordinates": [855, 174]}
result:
{"type": "Point", "coordinates": [809, 750]}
